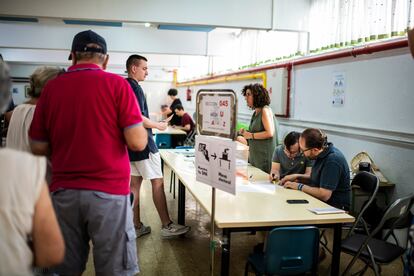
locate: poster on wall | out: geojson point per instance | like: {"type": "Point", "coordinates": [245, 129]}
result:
{"type": "Point", "coordinates": [338, 95]}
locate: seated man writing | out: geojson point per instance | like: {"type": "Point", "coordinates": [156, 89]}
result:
{"type": "Point", "coordinates": [287, 159]}
{"type": "Point", "coordinates": [329, 178]}
{"type": "Point", "coordinates": [187, 123]}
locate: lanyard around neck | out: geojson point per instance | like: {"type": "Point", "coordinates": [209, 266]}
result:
{"type": "Point", "coordinates": [83, 69]}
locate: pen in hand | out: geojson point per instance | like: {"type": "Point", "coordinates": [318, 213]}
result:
{"type": "Point", "coordinates": [275, 178]}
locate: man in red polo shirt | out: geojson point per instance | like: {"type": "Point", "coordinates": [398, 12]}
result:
{"type": "Point", "coordinates": [84, 120]}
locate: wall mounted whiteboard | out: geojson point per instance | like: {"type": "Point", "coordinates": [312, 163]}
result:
{"type": "Point", "coordinates": [379, 92]}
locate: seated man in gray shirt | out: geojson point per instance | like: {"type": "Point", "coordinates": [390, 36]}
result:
{"type": "Point", "coordinates": [288, 160]}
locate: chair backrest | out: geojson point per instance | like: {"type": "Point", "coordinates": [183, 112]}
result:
{"type": "Point", "coordinates": [368, 183]}
{"type": "Point", "coordinates": [190, 139]}
{"type": "Point", "coordinates": [395, 212]}
{"type": "Point", "coordinates": [292, 250]}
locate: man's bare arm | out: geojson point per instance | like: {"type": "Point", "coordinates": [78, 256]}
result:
{"type": "Point", "coordinates": [40, 148]}
{"type": "Point", "coordinates": [136, 137]}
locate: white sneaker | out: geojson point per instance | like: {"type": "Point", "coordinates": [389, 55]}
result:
{"type": "Point", "coordinates": [173, 230]}
{"type": "Point", "coordinates": [143, 230]}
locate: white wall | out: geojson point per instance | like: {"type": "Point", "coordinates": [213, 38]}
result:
{"type": "Point", "coordinates": [229, 13]}
{"type": "Point", "coordinates": [156, 94]}
{"type": "Point", "coordinates": [291, 15]}
{"type": "Point", "coordinates": [377, 115]}
{"type": "Point", "coordinates": [125, 39]}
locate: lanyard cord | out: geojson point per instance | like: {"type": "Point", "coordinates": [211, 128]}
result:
{"type": "Point", "coordinates": [83, 69]}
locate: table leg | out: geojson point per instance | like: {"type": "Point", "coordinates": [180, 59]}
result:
{"type": "Point", "coordinates": [181, 203]}
{"type": "Point", "coordinates": [353, 201]}
{"type": "Point", "coordinates": [174, 186]}
{"type": "Point", "coordinates": [336, 252]}
{"type": "Point", "coordinates": [225, 253]}
{"type": "Point", "coordinates": [171, 180]}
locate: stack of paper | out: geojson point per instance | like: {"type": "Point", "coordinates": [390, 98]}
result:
{"type": "Point", "coordinates": [327, 210]}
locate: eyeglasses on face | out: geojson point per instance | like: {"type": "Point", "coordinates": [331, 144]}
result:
{"type": "Point", "coordinates": [305, 150]}
{"type": "Point", "coordinates": [292, 153]}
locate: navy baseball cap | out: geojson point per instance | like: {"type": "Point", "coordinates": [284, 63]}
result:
{"type": "Point", "coordinates": [82, 39]}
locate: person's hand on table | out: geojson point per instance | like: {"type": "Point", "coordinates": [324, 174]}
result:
{"type": "Point", "coordinates": [241, 140]}
{"type": "Point", "coordinates": [273, 177]}
{"type": "Point", "coordinates": [287, 178]}
{"type": "Point", "coordinates": [291, 185]}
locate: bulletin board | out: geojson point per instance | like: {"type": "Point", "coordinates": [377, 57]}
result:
{"type": "Point", "coordinates": [216, 111]}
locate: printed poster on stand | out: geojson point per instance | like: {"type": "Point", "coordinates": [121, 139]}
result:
{"type": "Point", "coordinates": [216, 162]}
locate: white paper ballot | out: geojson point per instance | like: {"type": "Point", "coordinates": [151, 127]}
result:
{"type": "Point", "coordinates": [258, 187]}
{"type": "Point", "coordinates": [241, 163]}
{"type": "Point", "coordinates": [327, 210]}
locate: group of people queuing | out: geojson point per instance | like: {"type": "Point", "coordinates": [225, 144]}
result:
{"type": "Point", "coordinates": [90, 130]}
{"type": "Point", "coordinates": [93, 129]}
{"type": "Point", "coordinates": [305, 161]}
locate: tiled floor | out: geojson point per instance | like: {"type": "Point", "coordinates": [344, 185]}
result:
{"type": "Point", "coordinates": [190, 255]}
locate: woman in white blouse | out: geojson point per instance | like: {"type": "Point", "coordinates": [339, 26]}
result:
{"type": "Point", "coordinates": [17, 134]}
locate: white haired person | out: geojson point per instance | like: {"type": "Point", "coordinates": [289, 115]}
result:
{"type": "Point", "coordinates": [30, 234]}
{"type": "Point", "coordinates": [17, 134]}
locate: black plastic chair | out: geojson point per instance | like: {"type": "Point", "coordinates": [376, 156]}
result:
{"type": "Point", "coordinates": [289, 251]}
{"type": "Point", "coordinates": [368, 183]}
{"type": "Point", "coordinates": [374, 251]}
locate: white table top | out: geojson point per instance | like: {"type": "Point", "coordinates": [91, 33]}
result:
{"type": "Point", "coordinates": [169, 130]}
{"type": "Point", "coordinates": [255, 204]}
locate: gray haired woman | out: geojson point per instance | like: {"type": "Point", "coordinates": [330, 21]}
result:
{"type": "Point", "coordinates": [17, 134]}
